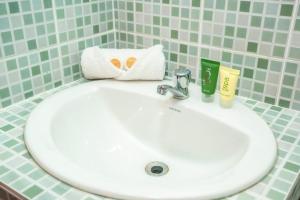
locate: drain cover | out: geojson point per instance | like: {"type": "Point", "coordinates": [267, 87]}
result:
{"type": "Point", "coordinates": [156, 168]}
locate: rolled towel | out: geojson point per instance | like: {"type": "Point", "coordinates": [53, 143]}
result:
{"type": "Point", "coordinates": [123, 64]}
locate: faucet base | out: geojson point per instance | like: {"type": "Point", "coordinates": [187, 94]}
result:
{"type": "Point", "coordinates": [163, 89]}
{"type": "Point", "coordinates": [180, 97]}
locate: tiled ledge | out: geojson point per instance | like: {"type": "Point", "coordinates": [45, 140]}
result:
{"type": "Point", "coordinates": [22, 174]}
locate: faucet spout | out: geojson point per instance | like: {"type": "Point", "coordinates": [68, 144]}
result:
{"type": "Point", "coordinates": [180, 91]}
{"type": "Point", "coordinates": [163, 89]}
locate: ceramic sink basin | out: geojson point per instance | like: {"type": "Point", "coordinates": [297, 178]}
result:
{"type": "Point", "coordinates": [99, 137]}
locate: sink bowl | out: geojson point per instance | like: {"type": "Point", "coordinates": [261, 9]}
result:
{"type": "Point", "coordinates": [101, 136]}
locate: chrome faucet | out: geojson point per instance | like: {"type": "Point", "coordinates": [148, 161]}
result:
{"type": "Point", "coordinates": [180, 91]}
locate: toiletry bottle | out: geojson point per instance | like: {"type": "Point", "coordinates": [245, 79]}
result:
{"type": "Point", "coordinates": [209, 77]}
{"type": "Point", "coordinates": [228, 82]}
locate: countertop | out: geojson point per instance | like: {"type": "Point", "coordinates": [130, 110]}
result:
{"type": "Point", "coordinates": [19, 171]}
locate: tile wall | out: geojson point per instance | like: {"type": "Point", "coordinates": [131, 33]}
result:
{"type": "Point", "coordinates": [259, 37]}
{"type": "Point", "coordinates": [41, 42]}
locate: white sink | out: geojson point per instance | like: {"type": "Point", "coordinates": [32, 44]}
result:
{"type": "Point", "coordinates": [99, 137]}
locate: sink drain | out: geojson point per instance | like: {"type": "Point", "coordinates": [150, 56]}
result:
{"type": "Point", "coordinates": [156, 168]}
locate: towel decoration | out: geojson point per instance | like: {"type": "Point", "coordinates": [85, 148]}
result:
{"type": "Point", "coordinates": [123, 64]}
{"type": "Point", "coordinates": [116, 62]}
{"type": "Point", "coordinates": [130, 61]}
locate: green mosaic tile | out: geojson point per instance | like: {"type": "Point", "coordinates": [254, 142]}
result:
{"type": "Point", "coordinates": [288, 176]}
{"type": "Point", "coordinates": [3, 170]}
{"type": "Point", "coordinates": [246, 197]}
{"type": "Point", "coordinates": [288, 139]}
{"type": "Point", "coordinates": [44, 55]}
{"type": "Point", "coordinates": [18, 34]}
{"type": "Point", "coordinates": [286, 10]}
{"type": "Point", "coordinates": [258, 7]}
{"type": "Point", "coordinates": [25, 168]}
{"type": "Point", "coordinates": [21, 184]}
{"type": "Point", "coordinates": [262, 63]}
{"type": "Point", "coordinates": [13, 7]}
{"type": "Point", "coordinates": [4, 23]}
{"type": "Point", "coordinates": [89, 198]}
{"type": "Point", "coordinates": [8, 50]}
{"type": "Point", "coordinates": [256, 21]}
{"type": "Point", "coordinates": [4, 93]}
{"type": "Point", "coordinates": [6, 37]}
{"type": "Point", "coordinates": [252, 47]}
{"type": "Point", "coordinates": [6, 127]}
{"type": "Point", "coordinates": [245, 6]}
{"type": "Point", "coordinates": [32, 191]}
{"type": "Point", "coordinates": [196, 3]}
{"type": "Point", "coordinates": [292, 167]}
{"type": "Point", "coordinates": [31, 44]}
{"type": "Point", "coordinates": [3, 9]}
{"type": "Point", "coordinates": [282, 185]}
{"type": "Point", "coordinates": [289, 80]}
{"type": "Point", "coordinates": [289, 96]}
{"type": "Point", "coordinates": [10, 143]}
{"type": "Point", "coordinates": [9, 177]}
{"type": "Point", "coordinates": [241, 32]}
{"type": "Point", "coordinates": [275, 195]}
{"type": "Point", "coordinates": [46, 196]}
{"type": "Point", "coordinates": [60, 188]}
{"type": "Point", "coordinates": [35, 175]}
{"type": "Point", "coordinates": [47, 3]}
{"type": "Point", "coordinates": [297, 25]}
{"type": "Point", "coordinates": [278, 51]}
{"type": "Point", "coordinates": [269, 100]}
{"type": "Point", "coordinates": [35, 70]}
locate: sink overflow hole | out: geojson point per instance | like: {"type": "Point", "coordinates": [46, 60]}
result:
{"type": "Point", "coordinates": [156, 168]}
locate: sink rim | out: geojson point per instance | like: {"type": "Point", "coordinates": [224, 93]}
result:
{"type": "Point", "coordinates": [90, 184]}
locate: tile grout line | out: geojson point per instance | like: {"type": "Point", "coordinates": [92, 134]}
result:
{"type": "Point", "coordinates": [114, 21]}
{"type": "Point", "coordinates": [199, 43]}
{"type": "Point", "coordinates": [294, 16]}
{"type": "Point", "coordinates": [134, 27]}
{"type": "Point", "coordinates": [58, 45]}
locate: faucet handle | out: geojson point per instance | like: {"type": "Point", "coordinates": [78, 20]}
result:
{"type": "Point", "coordinates": [182, 71]}
{"type": "Point", "coordinates": [183, 77]}
{"type": "Point", "coordinates": [162, 89]}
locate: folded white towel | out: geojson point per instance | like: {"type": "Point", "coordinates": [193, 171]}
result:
{"type": "Point", "coordinates": [144, 64]}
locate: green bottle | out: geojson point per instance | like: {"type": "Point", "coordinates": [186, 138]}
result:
{"type": "Point", "coordinates": [209, 77]}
